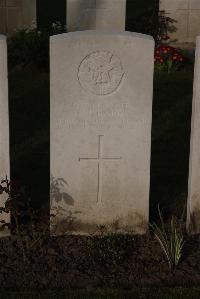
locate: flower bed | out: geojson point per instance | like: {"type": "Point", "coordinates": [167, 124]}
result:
{"type": "Point", "coordinates": [168, 58]}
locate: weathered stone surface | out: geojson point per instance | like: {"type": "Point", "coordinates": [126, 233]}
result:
{"type": "Point", "coordinates": [16, 14]}
{"type": "Point", "coordinates": [193, 213]}
{"type": "Point", "coordinates": [101, 109]}
{"type": "Point", "coordinates": [96, 14]}
{"type": "Point", "coordinates": [187, 15]}
{"type": "Point", "coordinates": [4, 127]}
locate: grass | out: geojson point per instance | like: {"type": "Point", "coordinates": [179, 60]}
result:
{"type": "Point", "coordinates": [170, 239]}
{"type": "Point", "coordinates": [136, 293]}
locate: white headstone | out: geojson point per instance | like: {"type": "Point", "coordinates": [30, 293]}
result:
{"type": "Point", "coordinates": [16, 14]}
{"type": "Point", "coordinates": [4, 127]}
{"type": "Point", "coordinates": [95, 14]}
{"type": "Point", "coordinates": [101, 110]}
{"type": "Point", "coordinates": [187, 16]}
{"type": "Point", "coordinates": [193, 215]}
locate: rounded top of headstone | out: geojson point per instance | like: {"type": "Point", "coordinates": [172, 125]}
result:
{"type": "Point", "coordinates": [103, 33]}
{"type": "Point", "coordinates": [2, 37]}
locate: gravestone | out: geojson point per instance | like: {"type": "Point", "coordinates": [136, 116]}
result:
{"type": "Point", "coordinates": [187, 16]}
{"type": "Point", "coordinates": [4, 128]}
{"type": "Point", "coordinates": [101, 110]}
{"type": "Point", "coordinates": [95, 14]}
{"type": "Point", "coordinates": [193, 213]}
{"type": "Point", "coordinates": [16, 14]}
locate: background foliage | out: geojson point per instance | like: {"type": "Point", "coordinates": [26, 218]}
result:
{"type": "Point", "coordinates": [50, 11]}
{"type": "Point", "coordinates": [144, 17]}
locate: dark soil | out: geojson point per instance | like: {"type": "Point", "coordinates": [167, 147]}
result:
{"type": "Point", "coordinates": [87, 263]}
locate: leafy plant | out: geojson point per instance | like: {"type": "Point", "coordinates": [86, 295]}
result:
{"type": "Point", "coordinates": [168, 59]}
{"type": "Point", "coordinates": [145, 17]}
{"type": "Point", "coordinates": [189, 55]}
{"type": "Point", "coordinates": [28, 226]}
{"type": "Point", "coordinates": [30, 46]}
{"type": "Point", "coordinates": [171, 240]}
{"type": "Point", "coordinates": [165, 25]}
{"type": "Point", "coordinates": [110, 249]}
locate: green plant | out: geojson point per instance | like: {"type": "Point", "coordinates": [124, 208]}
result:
{"type": "Point", "coordinates": [165, 25]}
{"type": "Point", "coordinates": [145, 17]}
{"type": "Point", "coordinates": [189, 55]}
{"type": "Point", "coordinates": [110, 249]}
{"type": "Point", "coordinates": [28, 227]}
{"type": "Point", "coordinates": [30, 46]}
{"type": "Point", "coordinates": [171, 240]}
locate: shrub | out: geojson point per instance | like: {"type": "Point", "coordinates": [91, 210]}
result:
{"type": "Point", "coordinates": [145, 17]}
{"type": "Point", "coordinates": [30, 47]}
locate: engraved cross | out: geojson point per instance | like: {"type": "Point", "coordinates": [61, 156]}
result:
{"type": "Point", "coordinates": [100, 159]}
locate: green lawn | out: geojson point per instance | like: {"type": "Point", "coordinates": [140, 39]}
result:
{"type": "Point", "coordinates": [144, 293]}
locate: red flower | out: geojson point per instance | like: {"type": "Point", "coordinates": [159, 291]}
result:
{"type": "Point", "coordinates": [165, 53]}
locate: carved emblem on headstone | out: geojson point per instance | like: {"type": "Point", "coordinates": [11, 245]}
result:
{"type": "Point", "coordinates": [100, 72]}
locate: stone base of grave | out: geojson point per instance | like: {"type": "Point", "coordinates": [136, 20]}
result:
{"type": "Point", "coordinates": [132, 224]}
